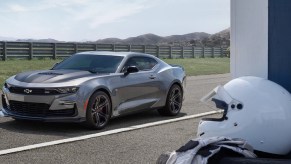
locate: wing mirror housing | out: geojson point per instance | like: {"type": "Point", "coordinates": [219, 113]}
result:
{"type": "Point", "coordinates": [55, 65]}
{"type": "Point", "coordinates": [131, 69]}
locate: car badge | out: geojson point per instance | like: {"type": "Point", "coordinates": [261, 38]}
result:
{"type": "Point", "coordinates": [27, 91]}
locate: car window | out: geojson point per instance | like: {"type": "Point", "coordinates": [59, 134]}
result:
{"type": "Point", "coordinates": [142, 63]}
{"type": "Point", "coordinates": [92, 63]}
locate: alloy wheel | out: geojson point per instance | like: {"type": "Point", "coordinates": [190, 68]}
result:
{"type": "Point", "coordinates": [175, 100]}
{"type": "Point", "coordinates": [100, 110]}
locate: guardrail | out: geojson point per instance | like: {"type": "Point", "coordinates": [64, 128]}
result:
{"type": "Point", "coordinates": [30, 50]}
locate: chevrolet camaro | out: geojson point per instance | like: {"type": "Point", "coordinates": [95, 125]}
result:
{"type": "Point", "coordinates": [92, 87]}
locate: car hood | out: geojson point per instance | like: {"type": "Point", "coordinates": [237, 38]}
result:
{"type": "Point", "coordinates": [53, 76]}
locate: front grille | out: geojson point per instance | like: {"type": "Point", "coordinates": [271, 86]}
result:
{"type": "Point", "coordinates": [20, 90]}
{"type": "Point", "coordinates": [31, 91]}
{"type": "Point", "coordinates": [37, 109]}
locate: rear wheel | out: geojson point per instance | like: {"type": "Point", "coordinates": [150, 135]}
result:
{"type": "Point", "coordinates": [98, 110]}
{"type": "Point", "coordinates": [173, 102]}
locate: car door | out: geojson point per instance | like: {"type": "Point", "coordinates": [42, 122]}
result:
{"type": "Point", "coordinates": [138, 90]}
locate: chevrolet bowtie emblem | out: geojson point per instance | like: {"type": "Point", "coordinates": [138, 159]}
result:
{"type": "Point", "coordinates": [27, 91]}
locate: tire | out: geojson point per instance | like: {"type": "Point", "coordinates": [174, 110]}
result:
{"type": "Point", "coordinates": [98, 111]}
{"type": "Point", "coordinates": [173, 102]}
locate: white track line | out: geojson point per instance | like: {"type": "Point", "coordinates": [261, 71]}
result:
{"type": "Point", "coordinates": [115, 131]}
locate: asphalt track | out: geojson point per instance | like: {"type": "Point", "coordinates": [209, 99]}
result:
{"type": "Point", "coordinates": [141, 145]}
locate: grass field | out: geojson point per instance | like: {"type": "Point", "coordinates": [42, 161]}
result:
{"type": "Point", "coordinates": [193, 67]}
{"type": "Point", "coordinates": [202, 66]}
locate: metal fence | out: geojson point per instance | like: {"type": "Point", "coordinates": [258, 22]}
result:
{"type": "Point", "coordinates": [30, 50]}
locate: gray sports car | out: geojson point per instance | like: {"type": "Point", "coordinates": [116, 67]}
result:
{"type": "Point", "coordinates": [92, 87]}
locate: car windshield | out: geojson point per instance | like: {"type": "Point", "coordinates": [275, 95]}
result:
{"type": "Point", "coordinates": [91, 63]}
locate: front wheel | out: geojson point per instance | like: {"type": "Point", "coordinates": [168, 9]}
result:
{"type": "Point", "coordinates": [98, 110]}
{"type": "Point", "coordinates": [173, 102]}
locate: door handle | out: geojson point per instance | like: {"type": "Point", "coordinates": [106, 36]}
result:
{"type": "Point", "coordinates": [152, 77]}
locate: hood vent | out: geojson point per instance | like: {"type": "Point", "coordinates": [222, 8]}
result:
{"type": "Point", "coordinates": [49, 73]}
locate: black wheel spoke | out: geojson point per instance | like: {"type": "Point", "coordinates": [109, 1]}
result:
{"type": "Point", "coordinates": [176, 96]}
{"type": "Point", "coordinates": [100, 107]}
{"type": "Point", "coordinates": [173, 106]}
{"type": "Point", "coordinates": [177, 104]}
{"type": "Point", "coordinates": [93, 110]}
{"type": "Point", "coordinates": [96, 103]}
{"type": "Point", "coordinates": [172, 94]}
{"type": "Point", "coordinates": [96, 118]}
{"type": "Point", "coordinates": [103, 115]}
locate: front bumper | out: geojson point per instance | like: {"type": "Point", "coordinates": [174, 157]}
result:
{"type": "Point", "coordinates": [43, 119]}
{"type": "Point", "coordinates": [47, 108]}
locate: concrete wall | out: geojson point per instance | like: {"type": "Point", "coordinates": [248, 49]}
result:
{"type": "Point", "coordinates": [249, 38]}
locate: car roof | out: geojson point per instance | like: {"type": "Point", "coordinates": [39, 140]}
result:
{"type": "Point", "coordinates": [112, 53]}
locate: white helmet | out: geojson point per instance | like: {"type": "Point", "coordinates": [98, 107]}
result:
{"type": "Point", "coordinates": [254, 109]}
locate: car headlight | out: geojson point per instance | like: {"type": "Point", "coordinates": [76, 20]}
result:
{"type": "Point", "coordinates": [64, 90]}
{"type": "Point", "coordinates": [6, 85]}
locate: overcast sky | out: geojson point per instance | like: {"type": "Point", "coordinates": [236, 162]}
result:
{"type": "Point", "coordinates": [79, 20]}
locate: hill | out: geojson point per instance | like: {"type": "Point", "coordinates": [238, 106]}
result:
{"type": "Point", "coordinates": [220, 39]}
{"type": "Point", "coordinates": [157, 40]}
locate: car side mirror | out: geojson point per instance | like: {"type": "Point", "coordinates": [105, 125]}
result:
{"type": "Point", "coordinates": [55, 65]}
{"type": "Point", "coordinates": [131, 69]}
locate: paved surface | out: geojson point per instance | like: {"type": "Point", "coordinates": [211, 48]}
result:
{"type": "Point", "coordinates": [138, 146]}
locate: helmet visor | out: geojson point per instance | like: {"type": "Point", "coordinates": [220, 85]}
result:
{"type": "Point", "coordinates": [218, 99]}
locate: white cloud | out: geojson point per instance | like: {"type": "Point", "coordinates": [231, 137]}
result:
{"type": "Point", "coordinates": [103, 13]}
{"type": "Point", "coordinates": [17, 8]}
{"type": "Point", "coordinates": [94, 12]}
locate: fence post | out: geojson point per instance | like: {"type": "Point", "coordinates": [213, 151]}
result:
{"type": "Point", "coordinates": [221, 52]}
{"type": "Point", "coordinates": [193, 51]}
{"type": "Point", "coordinates": [203, 50]}
{"type": "Point", "coordinates": [113, 47]}
{"type": "Point", "coordinates": [76, 47]}
{"type": "Point", "coordinates": [4, 51]}
{"type": "Point", "coordinates": [182, 52]}
{"type": "Point", "coordinates": [212, 51]}
{"type": "Point", "coordinates": [54, 51]}
{"type": "Point", "coordinates": [129, 47]}
{"type": "Point", "coordinates": [30, 50]}
{"type": "Point", "coordinates": [144, 49]}
{"type": "Point", "coordinates": [158, 51]}
{"type": "Point", "coordinates": [170, 52]}
{"type": "Point", "coordinates": [96, 47]}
